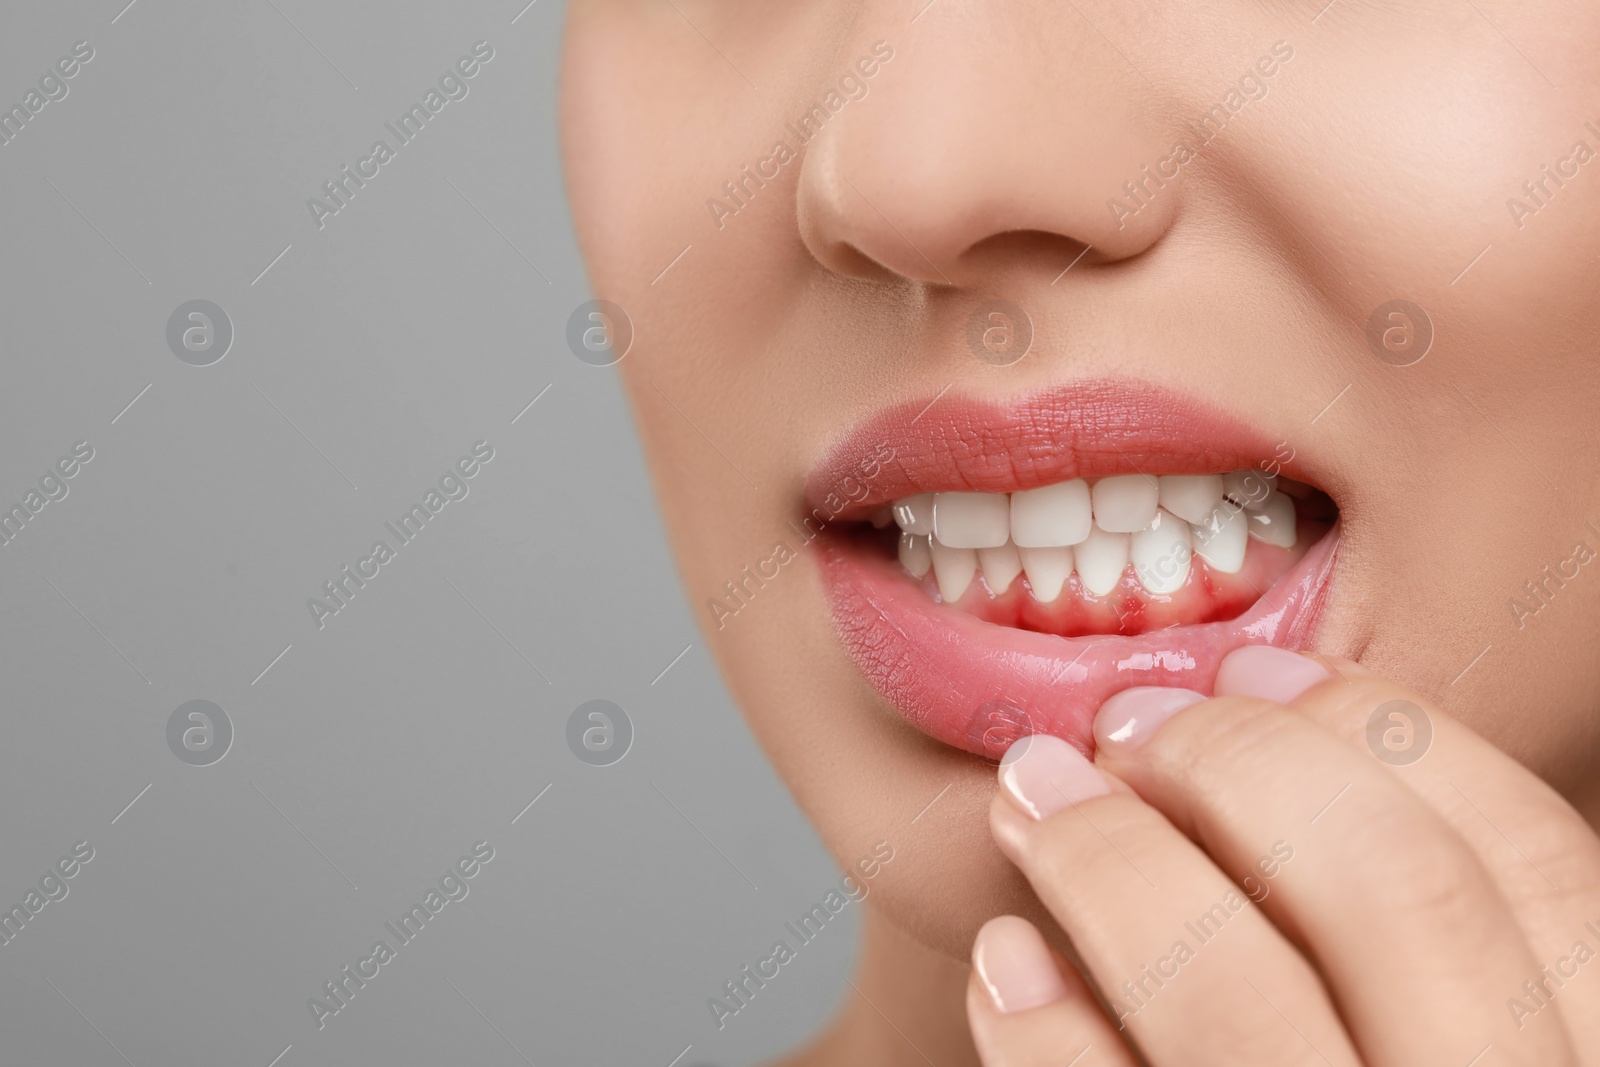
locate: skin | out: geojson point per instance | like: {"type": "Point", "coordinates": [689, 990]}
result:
{"type": "Point", "coordinates": [1376, 167]}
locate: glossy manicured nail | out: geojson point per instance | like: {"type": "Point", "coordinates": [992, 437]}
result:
{"type": "Point", "coordinates": [1270, 673]}
{"type": "Point", "coordinates": [1015, 966]}
{"type": "Point", "coordinates": [1129, 718]}
{"type": "Point", "coordinates": [1043, 774]}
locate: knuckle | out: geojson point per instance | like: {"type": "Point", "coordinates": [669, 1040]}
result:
{"type": "Point", "coordinates": [1346, 707]}
{"type": "Point", "coordinates": [1548, 857]}
{"type": "Point", "coordinates": [1253, 1033]}
{"type": "Point", "coordinates": [1211, 742]}
{"type": "Point", "coordinates": [1099, 845]}
{"type": "Point", "coordinates": [1435, 875]}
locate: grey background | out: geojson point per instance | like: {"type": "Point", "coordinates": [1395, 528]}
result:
{"type": "Point", "coordinates": [429, 712]}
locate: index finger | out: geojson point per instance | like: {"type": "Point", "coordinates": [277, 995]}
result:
{"type": "Point", "coordinates": [1388, 901]}
{"type": "Point", "coordinates": [1540, 853]}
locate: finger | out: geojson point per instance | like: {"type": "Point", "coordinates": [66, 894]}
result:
{"type": "Point", "coordinates": [1388, 901]}
{"type": "Point", "coordinates": [1028, 1009]}
{"type": "Point", "coordinates": [1191, 969]}
{"type": "Point", "coordinates": [1540, 853]}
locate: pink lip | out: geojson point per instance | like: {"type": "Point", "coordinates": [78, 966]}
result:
{"type": "Point", "coordinates": [1087, 429]}
{"type": "Point", "coordinates": [979, 686]}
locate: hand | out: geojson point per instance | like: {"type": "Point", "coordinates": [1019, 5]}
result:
{"type": "Point", "coordinates": [1248, 882]}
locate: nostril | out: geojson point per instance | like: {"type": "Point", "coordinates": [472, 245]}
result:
{"type": "Point", "coordinates": [1053, 253]}
{"type": "Point", "coordinates": [848, 260]}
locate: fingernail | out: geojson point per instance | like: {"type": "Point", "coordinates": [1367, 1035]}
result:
{"type": "Point", "coordinates": [1270, 673]}
{"type": "Point", "coordinates": [1043, 774]}
{"type": "Point", "coordinates": [1131, 717]}
{"type": "Point", "coordinates": [1015, 966]}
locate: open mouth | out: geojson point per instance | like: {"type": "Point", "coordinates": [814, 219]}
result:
{"type": "Point", "coordinates": [1002, 570]}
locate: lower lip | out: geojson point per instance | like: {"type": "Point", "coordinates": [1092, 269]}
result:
{"type": "Point", "coordinates": [979, 686]}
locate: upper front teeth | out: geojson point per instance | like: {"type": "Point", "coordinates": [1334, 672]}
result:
{"type": "Point", "coordinates": [971, 520]}
{"type": "Point", "coordinates": [1191, 497]}
{"type": "Point", "coordinates": [1051, 516]}
{"type": "Point", "coordinates": [914, 514]}
{"type": "Point", "coordinates": [1125, 503]}
{"type": "Point", "coordinates": [1249, 489]}
{"type": "Point", "coordinates": [1155, 523]}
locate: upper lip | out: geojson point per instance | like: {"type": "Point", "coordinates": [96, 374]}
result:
{"type": "Point", "coordinates": [1084, 429]}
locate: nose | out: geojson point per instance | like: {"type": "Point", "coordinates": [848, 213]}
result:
{"type": "Point", "coordinates": [995, 130]}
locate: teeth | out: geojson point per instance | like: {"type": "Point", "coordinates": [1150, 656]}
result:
{"type": "Point", "coordinates": [915, 555]}
{"type": "Point", "coordinates": [1272, 521]}
{"type": "Point", "coordinates": [1101, 559]}
{"type": "Point", "coordinates": [1125, 503]}
{"type": "Point", "coordinates": [1191, 496]}
{"type": "Point", "coordinates": [953, 570]}
{"type": "Point", "coordinates": [1249, 489]}
{"type": "Point", "coordinates": [1223, 537]}
{"type": "Point", "coordinates": [1052, 516]}
{"type": "Point", "coordinates": [972, 520]}
{"type": "Point", "coordinates": [1157, 524]}
{"type": "Point", "coordinates": [1161, 554]}
{"type": "Point", "coordinates": [1000, 567]}
{"type": "Point", "coordinates": [882, 517]}
{"type": "Point", "coordinates": [914, 514]}
{"type": "Point", "coordinates": [1047, 570]}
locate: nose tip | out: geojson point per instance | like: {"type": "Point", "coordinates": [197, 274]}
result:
{"type": "Point", "coordinates": [952, 162]}
{"type": "Point", "coordinates": [848, 230]}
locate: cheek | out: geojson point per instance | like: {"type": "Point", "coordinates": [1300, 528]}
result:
{"type": "Point", "coordinates": [647, 128]}
{"type": "Point", "coordinates": [1400, 149]}
{"type": "Point", "coordinates": [654, 122]}
{"type": "Point", "coordinates": [611, 165]}
{"type": "Point", "coordinates": [1397, 156]}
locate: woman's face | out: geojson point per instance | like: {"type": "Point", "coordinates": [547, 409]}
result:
{"type": "Point", "coordinates": [877, 250]}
